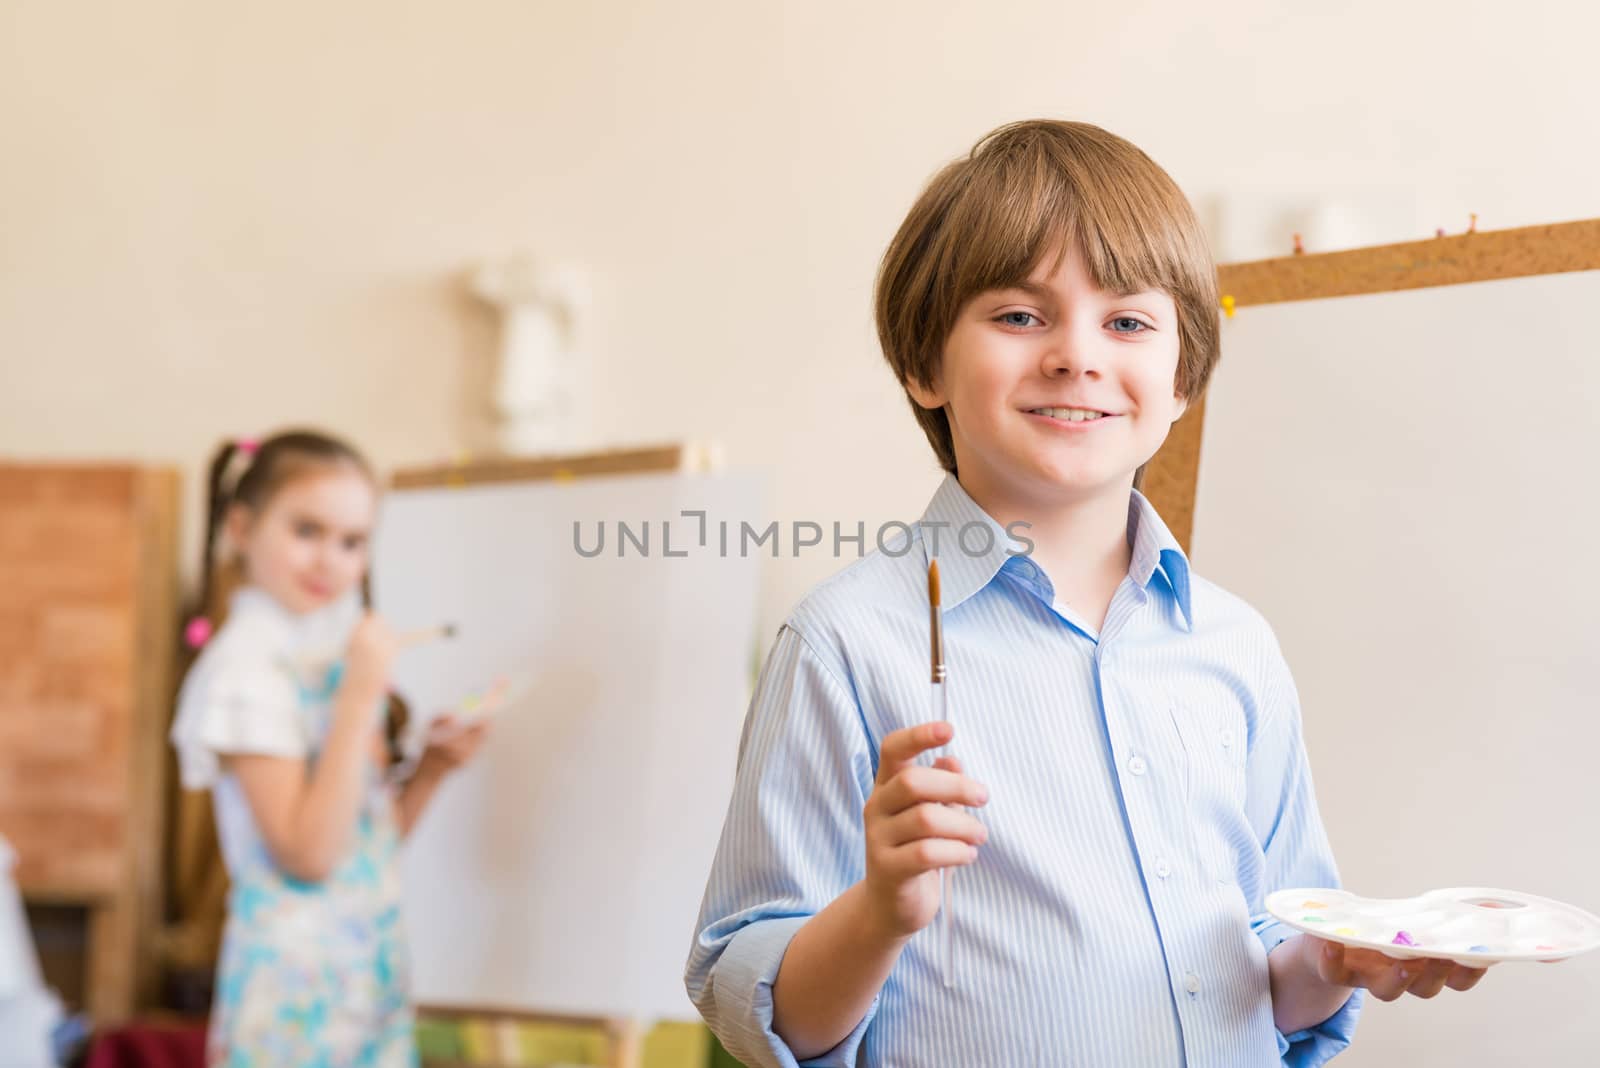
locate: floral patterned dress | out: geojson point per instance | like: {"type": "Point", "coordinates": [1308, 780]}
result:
{"type": "Point", "coordinates": [312, 975]}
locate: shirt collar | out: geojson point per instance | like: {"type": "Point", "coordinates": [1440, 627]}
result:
{"type": "Point", "coordinates": [963, 573]}
{"type": "Point", "coordinates": [327, 627]}
{"type": "Point", "coordinates": [1157, 552]}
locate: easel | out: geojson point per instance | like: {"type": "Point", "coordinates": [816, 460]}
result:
{"type": "Point", "coordinates": [1171, 476]}
{"type": "Point", "coordinates": [624, 1037]}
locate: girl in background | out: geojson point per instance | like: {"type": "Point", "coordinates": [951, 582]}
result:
{"type": "Point", "coordinates": [286, 717]}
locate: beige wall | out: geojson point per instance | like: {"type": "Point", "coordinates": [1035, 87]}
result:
{"type": "Point", "coordinates": [216, 221]}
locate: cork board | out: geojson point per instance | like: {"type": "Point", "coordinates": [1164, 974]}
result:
{"type": "Point", "coordinates": [88, 563]}
{"type": "Point", "coordinates": [1170, 479]}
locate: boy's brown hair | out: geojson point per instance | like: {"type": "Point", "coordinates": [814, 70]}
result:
{"type": "Point", "coordinates": [1026, 190]}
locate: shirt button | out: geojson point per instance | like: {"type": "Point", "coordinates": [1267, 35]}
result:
{"type": "Point", "coordinates": [1162, 869]}
{"type": "Point", "coordinates": [1227, 739]}
{"type": "Point", "coordinates": [1137, 765]}
{"type": "Point", "coordinates": [1191, 983]}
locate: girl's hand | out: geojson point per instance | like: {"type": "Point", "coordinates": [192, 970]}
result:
{"type": "Point", "coordinates": [915, 826]}
{"type": "Point", "coordinates": [368, 659]}
{"type": "Point", "coordinates": [450, 745]}
{"type": "Point", "coordinates": [1385, 977]}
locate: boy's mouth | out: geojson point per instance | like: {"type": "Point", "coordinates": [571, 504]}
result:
{"type": "Point", "coordinates": [1071, 415]}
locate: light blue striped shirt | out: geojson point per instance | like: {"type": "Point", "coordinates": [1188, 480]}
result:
{"type": "Point", "coordinates": [1148, 788]}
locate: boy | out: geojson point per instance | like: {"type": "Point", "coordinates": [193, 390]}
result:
{"type": "Point", "coordinates": [1138, 780]}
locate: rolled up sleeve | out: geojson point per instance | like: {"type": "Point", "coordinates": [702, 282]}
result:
{"type": "Point", "coordinates": [791, 843]}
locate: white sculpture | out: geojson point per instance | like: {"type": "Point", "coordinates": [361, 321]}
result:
{"type": "Point", "coordinates": [538, 391]}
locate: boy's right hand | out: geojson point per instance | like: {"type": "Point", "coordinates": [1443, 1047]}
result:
{"type": "Point", "coordinates": [916, 825]}
{"type": "Point", "coordinates": [368, 659]}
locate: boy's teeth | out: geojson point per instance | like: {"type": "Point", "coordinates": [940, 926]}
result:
{"type": "Point", "coordinates": [1071, 415]}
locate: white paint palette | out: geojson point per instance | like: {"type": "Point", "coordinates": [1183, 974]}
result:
{"type": "Point", "coordinates": [1471, 925]}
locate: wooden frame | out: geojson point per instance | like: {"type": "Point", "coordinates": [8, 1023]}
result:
{"type": "Point", "coordinates": [646, 460]}
{"type": "Point", "coordinates": [1171, 477]}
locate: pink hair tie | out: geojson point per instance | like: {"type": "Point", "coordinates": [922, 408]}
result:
{"type": "Point", "coordinates": [197, 632]}
{"type": "Point", "coordinates": [248, 446]}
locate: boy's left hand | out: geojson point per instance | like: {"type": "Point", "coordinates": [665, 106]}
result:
{"type": "Point", "coordinates": [1385, 977]}
{"type": "Point", "coordinates": [450, 745]}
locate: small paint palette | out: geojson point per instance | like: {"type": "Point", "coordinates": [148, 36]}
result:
{"type": "Point", "coordinates": [1471, 925]}
{"type": "Point", "coordinates": [476, 705]}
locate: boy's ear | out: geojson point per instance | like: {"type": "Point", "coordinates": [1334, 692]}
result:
{"type": "Point", "coordinates": [1183, 406]}
{"type": "Point", "coordinates": [929, 397]}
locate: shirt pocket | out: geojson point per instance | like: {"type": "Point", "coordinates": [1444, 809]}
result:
{"type": "Point", "coordinates": [1212, 733]}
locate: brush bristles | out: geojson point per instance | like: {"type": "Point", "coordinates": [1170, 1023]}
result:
{"type": "Point", "coordinates": [933, 582]}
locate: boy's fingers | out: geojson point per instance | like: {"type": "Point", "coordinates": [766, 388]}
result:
{"type": "Point", "coordinates": [934, 821]}
{"type": "Point", "coordinates": [901, 748]}
{"type": "Point", "coordinates": [1386, 978]}
{"type": "Point", "coordinates": [1331, 966]}
{"type": "Point", "coordinates": [1389, 983]}
{"type": "Point", "coordinates": [929, 854]}
{"type": "Point", "coordinates": [948, 763]}
{"type": "Point", "coordinates": [915, 785]}
{"type": "Point", "coordinates": [1431, 981]}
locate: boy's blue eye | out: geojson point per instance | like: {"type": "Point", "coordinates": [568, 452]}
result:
{"type": "Point", "coordinates": [1018, 318]}
{"type": "Point", "coordinates": [1127, 324]}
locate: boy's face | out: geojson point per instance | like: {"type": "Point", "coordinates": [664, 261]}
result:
{"type": "Point", "coordinates": [1022, 367]}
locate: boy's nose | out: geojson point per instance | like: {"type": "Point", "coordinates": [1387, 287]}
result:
{"type": "Point", "coordinates": [1070, 356]}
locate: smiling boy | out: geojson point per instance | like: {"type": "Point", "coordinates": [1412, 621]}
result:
{"type": "Point", "coordinates": [1125, 781]}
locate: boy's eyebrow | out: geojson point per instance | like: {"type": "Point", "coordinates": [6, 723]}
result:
{"type": "Point", "coordinates": [1028, 286]}
{"type": "Point", "coordinates": [1044, 292]}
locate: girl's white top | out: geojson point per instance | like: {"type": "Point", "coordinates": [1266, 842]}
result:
{"type": "Point", "coordinates": [262, 685]}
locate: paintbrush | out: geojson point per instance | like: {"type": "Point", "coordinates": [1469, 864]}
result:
{"type": "Point", "coordinates": [941, 710]}
{"type": "Point", "coordinates": [406, 639]}
{"type": "Point", "coordinates": [320, 660]}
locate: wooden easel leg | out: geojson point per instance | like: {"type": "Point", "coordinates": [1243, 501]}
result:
{"type": "Point", "coordinates": [110, 981]}
{"type": "Point", "coordinates": [627, 1042]}
{"type": "Point", "coordinates": [507, 1042]}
